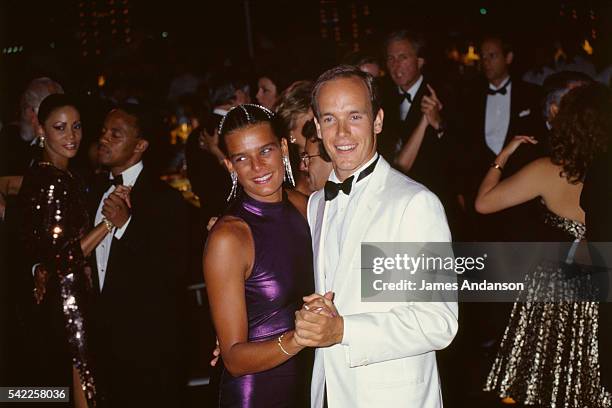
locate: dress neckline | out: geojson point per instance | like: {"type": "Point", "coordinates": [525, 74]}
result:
{"type": "Point", "coordinates": [261, 208]}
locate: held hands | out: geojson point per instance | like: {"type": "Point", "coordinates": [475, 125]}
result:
{"type": "Point", "coordinates": [117, 206]}
{"type": "Point", "coordinates": [318, 323]}
{"type": "Point", "coordinates": [431, 107]}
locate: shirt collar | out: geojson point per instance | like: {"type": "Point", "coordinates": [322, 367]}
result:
{"type": "Point", "coordinates": [334, 178]}
{"type": "Point", "coordinates": [501, 84]}
{"type": "Point", "coordinates": [414, 88]}
{"type": "Point", "coordinates": [131, 174]}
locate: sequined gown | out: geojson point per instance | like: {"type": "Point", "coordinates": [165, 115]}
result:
{"type": "Point", "coordinates": [548, 355]}
{"type": "Point", "coordinates": [55, 219]}
{"type": "Point", "coordinates": [282, 274]}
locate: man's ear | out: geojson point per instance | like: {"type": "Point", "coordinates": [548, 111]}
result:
{"type": "Point", "coordinates": [420, 63]}
{"type": "Point", "coordinates": [509, 57]}
{"type": "Point", "coordinates": [553, 110]}
{"type": "Point", "coordinates": [141, 146]}
{"type": "Point", "coordinates": [318, 127]}
{"type": "Point", "coordinates": [378, 121]}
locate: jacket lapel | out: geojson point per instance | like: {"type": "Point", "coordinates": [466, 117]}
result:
{"type": "Point", "coordinates": [369, 202]}
{"type": "Point", "coordinates": [318, 237]}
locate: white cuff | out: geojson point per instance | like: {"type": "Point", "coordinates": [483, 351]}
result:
{"type": "Point", "coordinates": [120, 231]}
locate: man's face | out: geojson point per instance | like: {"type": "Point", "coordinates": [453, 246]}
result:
{"type": "Point", "coordinates": [317, 168]}
{"type": "Point", "coordinates": [495, 64]}
{"type": "Point", "coordinates": [403, 64]}
{"type": "Point", "coordinates": [119, 142]}
{"type": "Point", "coordinates": [346, 124]}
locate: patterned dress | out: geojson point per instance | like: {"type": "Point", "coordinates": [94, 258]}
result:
{"type": "Point", "coordinates": [55, 219]}
{"type": "Point", "coordinates": [549, 354]}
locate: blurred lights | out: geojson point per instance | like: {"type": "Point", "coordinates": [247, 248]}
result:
{"type": "Point", "coordinates": [483, 11]}
{"type": "Point", "coordinates": [586, 46]}
{"type": "Point", "coordinates": [101, 81]}
{"type": "Point", "coordinates": [164, 34]}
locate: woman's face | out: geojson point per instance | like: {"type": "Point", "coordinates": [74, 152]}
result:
{"type": "Point", "coordinates": [256, 155]}
{"type": "Point", "coordinates": [62, 132]}
{"type": "Point", "coordinates": [296, 135]}
{"type": "Point", "coordinates": [266, 93]}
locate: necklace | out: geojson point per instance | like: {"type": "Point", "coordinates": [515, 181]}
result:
{"type": "Point", "coordinates": [46, 163]}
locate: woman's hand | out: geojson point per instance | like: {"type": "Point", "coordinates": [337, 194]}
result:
{"type": "Point", "coordinates": [516, 142]}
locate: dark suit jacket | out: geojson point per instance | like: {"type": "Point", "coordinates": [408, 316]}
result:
{"type": "Point", "coordinates": [139, 310]}
{"type": "Point", "coordinates": [513, 224]}
{"type": "Point", "coordinates": [433, 163]}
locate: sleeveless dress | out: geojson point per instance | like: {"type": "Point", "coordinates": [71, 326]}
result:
{"type": "Point", "coordinates": [282, 274]}
{"type": "Point", "coordinates": [55, 218]}
{"type": "Point", "coordinates": [548, 355]}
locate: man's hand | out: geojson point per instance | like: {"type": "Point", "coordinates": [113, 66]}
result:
{"type": "Point", "coordinates": [41, 276]}
{"type": "Point", "coordinates": [318, 323]}
{"type": "Point", "coordinates": [431, 107]}
{"type": "Point", "coordinates": [116, 210]}
{"type": "Point", "coordinates": [124, 193]}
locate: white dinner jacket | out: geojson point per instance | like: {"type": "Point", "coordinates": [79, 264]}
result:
{"type": "Point", "coordinates": [387, 355]}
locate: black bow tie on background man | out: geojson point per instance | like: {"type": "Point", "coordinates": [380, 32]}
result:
{"type": "Point", "coordinates": [501, 91]}
{"type": "Point", "coordinates": [332, 189]}
{"type": "Point", "coordinates": [406, 95]}
{"type": "Point", "coordinates": [115, 181]}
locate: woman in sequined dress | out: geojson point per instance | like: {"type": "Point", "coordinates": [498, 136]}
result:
{"type": "Point", "coordinates": [57, 237]}
{"type": "Point", "coordinates": [258, 266]}
{"type": "Point", "coordinates": [548, 355]}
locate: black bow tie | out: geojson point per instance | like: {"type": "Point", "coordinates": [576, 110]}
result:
{"type": "Point", "coordinates": [332, 189]}
{"type": "Point", "coordinates": [501, 91]}
{"type": "Point", "coordinates": [115, 181]}
{"type": "Point", "coordinates": [407, 96]}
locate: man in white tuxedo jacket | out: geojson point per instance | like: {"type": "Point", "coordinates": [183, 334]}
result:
{"type": "Point", "coordinates": [376, 354]}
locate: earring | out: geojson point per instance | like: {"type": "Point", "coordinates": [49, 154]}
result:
{"type": "Point", "coordinates": [41, 141]}
{"type": "Point", "coordinates": [292, 138]}
{"type": "Point", "coordinates": [288, 171]}
{"type": "Point", "coordinates": [232, 193]}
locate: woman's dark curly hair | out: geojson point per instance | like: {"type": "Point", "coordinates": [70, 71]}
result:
{"type": "Point", "coordinates": [581, 129]}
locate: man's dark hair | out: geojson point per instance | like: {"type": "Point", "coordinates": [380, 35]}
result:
{"type": "Point", "coordinates": [416, 39]}
{"type": "Point", "coordinates": [503, 41]}
{"type": "Point", "coordinates": [144, 121]}
{"type": "Point", "coordinates": [223, 90]}
{"type": "Point", "coordinates": [310, 132]}
{"type": "Point", "coordinates": [346, 71]}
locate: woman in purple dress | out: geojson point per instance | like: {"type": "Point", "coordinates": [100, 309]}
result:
{"type": "Point", "coordinates": [257, 267]}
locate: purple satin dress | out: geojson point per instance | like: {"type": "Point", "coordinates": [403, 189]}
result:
{"type": "Point", "coordinates": [282, 274]}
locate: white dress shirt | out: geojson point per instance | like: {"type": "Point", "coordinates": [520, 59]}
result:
{"type": "Point", "coordinates": [497, 117]}
{"type": "Point", "coordinates": [339, 212]}
{"type": "Point", "coordinates": [405, 105]}
{"type": "Point", "coordinates": [103, 249]}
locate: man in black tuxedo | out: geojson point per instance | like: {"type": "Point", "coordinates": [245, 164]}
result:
{"type": "Point", "coordinates": [402, 103]}
{"type": "Point", "coordinates": [496, 110]}
{"type": "Point", "coordinates": [140, 271]}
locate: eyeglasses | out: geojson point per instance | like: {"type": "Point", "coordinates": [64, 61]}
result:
{"type": "Point", "coordinates": [305, 157]}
